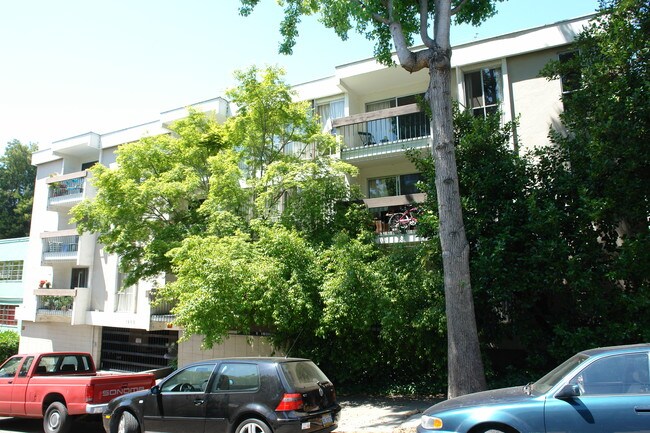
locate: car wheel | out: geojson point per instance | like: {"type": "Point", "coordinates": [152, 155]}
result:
{"type": "Point", "coordinates": [128, 423]}
{"type": "Point", "coordinates": [494, 430]}
{"type": "Point", "coordinates": [56, 419]}
{"type": "Point", "coordinates": [253, 425]}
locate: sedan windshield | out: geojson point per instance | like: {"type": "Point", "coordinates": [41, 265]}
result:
{"type": "Point", "coordinates": [557, 374]}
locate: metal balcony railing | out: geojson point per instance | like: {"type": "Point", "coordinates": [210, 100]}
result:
{"type": "Point", "coordinates": [53, 302]}
{"type": "Point", "coordinates": [383, 127]}
{"type": "Point", "coordinates": [60, 247]}
{"type": "Point", "coordinates": [66, 190]}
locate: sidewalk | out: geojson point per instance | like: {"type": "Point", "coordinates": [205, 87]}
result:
{"type": "Point", "coordinates": [380, 415]}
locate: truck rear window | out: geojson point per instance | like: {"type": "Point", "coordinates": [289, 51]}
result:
{"type": "Point", "coordinates": [301, 374]}
{"type": "Point", "coordinates": [57, 364]}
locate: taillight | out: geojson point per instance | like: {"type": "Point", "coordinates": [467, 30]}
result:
{"type": "Point", "coordinates": [290, 402]}
{"type": "Point", "coordinates": [90, 393]}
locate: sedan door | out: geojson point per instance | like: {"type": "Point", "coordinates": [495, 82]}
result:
{"type": "Point", "coordinates": [614, 397]}
{"type": "Point", "coordinates": [180, 404]}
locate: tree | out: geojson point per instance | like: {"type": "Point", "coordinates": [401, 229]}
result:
{"type": "Point", "coordinates": [398, 21]}
{"type": "Point", "coordinates": [17, 177]}
{"type": "Point", "coordinates": [597, 175]}
{"type": "Point", "coordinates": [150, 202]}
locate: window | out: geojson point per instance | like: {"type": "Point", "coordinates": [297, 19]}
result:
{"type": "Point", "coordinates": [192, 379]}
{"type": "Point", "coordinates": [10, 367]}
{"type": "Point", "coordinates": [8, 315]}
{"type": "Point", "coordinates": [483, 91]}
{"type": "Point", "coordinates": [328, 111]}
{"type": "Point", "coordinates": [237, 377]}
{"type": "Point", "coordinates": [24, 369]}
{"type": "Point", "coordinates": [11, 270]}
{"type": "Point", "coordinates": [393, 185]}
{"type": "Point", "coordinates": [401, 127]}
{"type": "Point", "coordinates": [570, 78]}
{"type": "Point", "coordinates": [623, 374]}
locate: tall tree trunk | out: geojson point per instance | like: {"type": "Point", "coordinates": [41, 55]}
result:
{"type": "Point", "coordinates": [465, 367]}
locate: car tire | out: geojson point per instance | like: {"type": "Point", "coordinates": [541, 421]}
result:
{"type": "Point", "coordinates": [128, 423]}
{"type": "Point", "coordinates": [494, 430]}
{"type": "Point", "coordinates": [56, 419]}
{"type": "Point", "coordinates": [253, 425]}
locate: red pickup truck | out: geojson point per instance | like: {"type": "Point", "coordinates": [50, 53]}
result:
{"type": "Point", "coordinates": [57, 386]}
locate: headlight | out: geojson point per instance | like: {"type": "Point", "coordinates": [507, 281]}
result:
{"type": "Point", "coordinates": [430, 422]}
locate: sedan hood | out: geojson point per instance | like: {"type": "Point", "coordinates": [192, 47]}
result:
{"type": "Point", "coordinates": [485, 398]}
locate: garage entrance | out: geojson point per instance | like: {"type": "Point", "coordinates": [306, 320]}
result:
{"type": "Point", "coordinates": [125, 349]}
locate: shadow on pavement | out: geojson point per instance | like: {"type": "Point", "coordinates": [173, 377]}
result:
{"type": "Point", "coordinates": [18, 425]}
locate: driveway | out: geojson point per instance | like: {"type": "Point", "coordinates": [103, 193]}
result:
{"type": "Point", "coordinates": [381, 415]}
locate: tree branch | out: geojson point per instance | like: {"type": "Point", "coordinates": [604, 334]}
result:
{"type": "Point", "coordinates": [455, 10]}
{"type": "Point", "coordinates": [424, 21]}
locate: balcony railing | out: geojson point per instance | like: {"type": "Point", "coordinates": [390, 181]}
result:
{"type": "Point", "coordinates": [383, 131]}
{"type": "Point", "coordinates": [65, 246]}
{"type": "Point", "coordinates": [62, 305]}
{"type": "Point", "coordinates": [66, 190]}
{"type": "Point", "coordinates": [60, 248]}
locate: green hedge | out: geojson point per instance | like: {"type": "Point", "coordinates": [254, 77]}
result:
{"type": "Point", "coordinates": [8, 344]}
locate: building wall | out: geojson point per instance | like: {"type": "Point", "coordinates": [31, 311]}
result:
{"type": "Point", "coordinates": [11, 291]}
{"type": "Point", "coordinates": [235, 345]}
{"type": "Point", "coordinates": [51, 336]}
{"type": "Point", "coordinates": [536, 100]}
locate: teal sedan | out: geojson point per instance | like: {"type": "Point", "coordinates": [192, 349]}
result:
{"type": "Point", "coordinates": [602, 390]}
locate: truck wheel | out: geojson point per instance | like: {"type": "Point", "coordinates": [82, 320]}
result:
{"type": "Point", "coordinates": [128, 423]}
{"type": "Point", "coordinates": [56, 418]}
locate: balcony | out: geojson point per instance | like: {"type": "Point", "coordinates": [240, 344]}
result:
{"type": "Point", "coordinates": [382, 133]}
{"type": "Point", "coordinates": [67, 246]}
{"type": "Point", "coordinates": [66, 191]}
{"type": "Point", "coordinates": [62, 305]}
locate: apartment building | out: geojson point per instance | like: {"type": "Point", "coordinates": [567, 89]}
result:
{"type": "Point", "coordinates": [372, 110]}
{"type": "Point", "coordinates": [12, 258]}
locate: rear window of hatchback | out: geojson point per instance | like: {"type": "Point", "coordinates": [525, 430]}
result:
{"type": "Point", "coordinates": [301, 374]}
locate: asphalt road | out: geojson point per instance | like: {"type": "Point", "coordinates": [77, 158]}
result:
{"type": "Point", "coordinates": [15, 425]}
{"type": "Point", "coordinates": [358, 415]}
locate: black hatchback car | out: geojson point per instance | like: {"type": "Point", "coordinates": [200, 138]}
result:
{"type": "Point", "coordinates": [234, 395]}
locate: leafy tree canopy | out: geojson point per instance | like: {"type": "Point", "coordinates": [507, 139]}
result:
{"type": "Point", "coordinates": [17, 177]}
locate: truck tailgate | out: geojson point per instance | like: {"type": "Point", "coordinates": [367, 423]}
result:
{"type": "Point", "coordinates": [104, 388]}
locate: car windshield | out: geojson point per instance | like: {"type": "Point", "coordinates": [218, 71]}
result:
{"type": "Point", "coordinates": [557, 374]}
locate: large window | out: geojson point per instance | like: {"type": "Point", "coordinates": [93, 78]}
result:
{"type": "Point", "coordinates": [483, 91]}
{"type": "Point", "coordinates": [413, 125]}
{"type": "Point", "coordinates": [8, 315]}
{"type": "Point", "coordinates": [11, 270]}
{"type": "Point", "coordinates": [328, 111]}
{"type": "Point", "coordinates": [393, 185]}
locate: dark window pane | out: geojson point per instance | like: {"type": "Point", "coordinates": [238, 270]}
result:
{"type": "Point", "coordinates": [408, 183]}
{"type": "Point", "coordinates": [382, 187]}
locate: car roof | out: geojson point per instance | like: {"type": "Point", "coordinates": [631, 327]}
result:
{"type": "Point", "coordinates": [258, 360]}
{"type": "Point", "coordinates": [611, 350]}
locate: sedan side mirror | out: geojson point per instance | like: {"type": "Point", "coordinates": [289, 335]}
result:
{"type": "Point", "coordinates": [568, 391]}
{"type": "Point", "coordinates": [155, 390]}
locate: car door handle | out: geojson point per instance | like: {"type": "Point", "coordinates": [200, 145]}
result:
{"type": "Point", "coordinates": [199, 402]}
{"type": "Point", "coordinates": [642, 409]}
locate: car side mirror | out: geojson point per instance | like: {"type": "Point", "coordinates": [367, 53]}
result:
{"type": "Point", "coordinates": [155, 390]}
{"type": "Point", "coordinates": [568, 391]}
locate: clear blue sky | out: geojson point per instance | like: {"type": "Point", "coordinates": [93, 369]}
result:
{"type": "Point", "coordinates": [74, 66]}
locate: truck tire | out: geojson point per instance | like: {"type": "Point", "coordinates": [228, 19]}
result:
{"type": "Point", "coordinates": [128, 423]}
{"type": "Point", "coordinates": [56, 419]}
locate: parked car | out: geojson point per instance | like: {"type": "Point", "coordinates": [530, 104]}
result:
{"type": "Point", "coordinates": [234, 395]}
{"type": "Point", "coordinates": [58, 386]}
{"type": "Point", "coordinates": [598, 390]}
